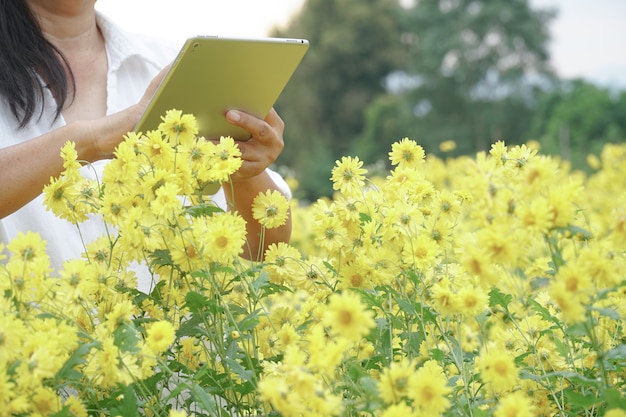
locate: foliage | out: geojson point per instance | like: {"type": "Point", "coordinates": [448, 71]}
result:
{"type": "Point", "coordinates": [354, 45]}
{"type": "Point", "coordinates": [473, 71]}
{"type": "Point", "coordinates": [483, 286]}
{"type": "Point", "coordinates": [437, 70]}
{"type": "Point", "coordinates": [577, 118]}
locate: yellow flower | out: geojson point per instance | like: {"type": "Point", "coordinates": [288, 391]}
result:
{"type": "Point", "coordinates": [75, 406]}
{"type": "Point", "coordinates": [536, 215]}
{"type": "Point", "coordinates": [166, 205]}
{"type": "Point", "coordinates": [45, 402]}
{"type": "Point", "coordinates": [12, 334]}
{"type": "Point", "coordinates": [348, 176]}
{"type": "Point", "coordinates": [443, 298]}
{"type": "Point", "coordinates": [282, 262]}
{"type": "Point", "coordinates": [59, 197]}
{"type": "Point", "coordinates": [421, 252]}
{"type": "Point", "coordinates": [497, 368]}
{"type": "Point", "coordinates": [70, 156]}
{"type": "Point", "coordinates": [571, 307]}
{"type": "Point", "coordinates": [428, 388]}
{"type": "Point", "coordinates": [178, 126]}
{"type": "Point", "coordinates": [615, 412]}
{"type": "Point", "coordinates": [348, 317]}
{"type": "Point", "coordinates": [499, 152]}
{"type": "Point", "coordinates": [406, 153]}
{"type": "Point", "coordinates": [516, 404]}
{"type": "Point", "coordinates": [393, 383]}
{"type": "Point", "coordinates": [158, 151]}
{"type": "Point", "coordinates": [471, 301]}
{"type": "Point", "coordinates": [270, 209]}
{"type": "Point", "coordinates": [447, 146]}
{"type": "Point", "coordinates": [160, 336]}
{"type": "Point", "coordinates": [398, 410]}
{"type": "Point", "coordinates": [330, 233]}
{"type": "Point", "coordinates": [223, 235]}
{"type": "Point", "coordinates": [225, 161]}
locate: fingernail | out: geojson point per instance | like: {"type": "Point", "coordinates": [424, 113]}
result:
{"type": "Point", "coordinates": [233, 116]}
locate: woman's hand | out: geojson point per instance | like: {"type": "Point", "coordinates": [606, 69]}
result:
{"type": "Point", "coordinates": [252, 178]}
{"type": "Point", "coordinates": [264, 146]}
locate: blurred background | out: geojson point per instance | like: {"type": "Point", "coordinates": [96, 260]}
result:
{"type": "Point", "coordinates": [454, 75]}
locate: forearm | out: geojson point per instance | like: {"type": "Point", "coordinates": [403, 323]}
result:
{"type": "Point", "coordinates": [240, 196]}
{"type": "Point", "coordinates": [27, 167]}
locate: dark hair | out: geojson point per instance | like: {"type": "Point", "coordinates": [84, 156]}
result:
{"type": "Point", "coordinates": [26, 56]}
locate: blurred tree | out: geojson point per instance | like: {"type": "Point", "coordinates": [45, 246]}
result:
{"type": "Point", "coordinates": [577, 118]}
{"type": "Point", "coordinates": [474, 70]}
{"type": "Point", "coordinates": [354, 45]}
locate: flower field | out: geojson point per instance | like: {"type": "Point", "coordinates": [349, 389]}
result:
{"type": "Point", "coordinates": [490, 285]}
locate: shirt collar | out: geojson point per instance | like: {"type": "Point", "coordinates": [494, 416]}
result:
{"type": "Point", "coordinates": [121, 45]}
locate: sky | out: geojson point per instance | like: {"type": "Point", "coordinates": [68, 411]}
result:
{"type": "Point", "coordinates": [588, 36]}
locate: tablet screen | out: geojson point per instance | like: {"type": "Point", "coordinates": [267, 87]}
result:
{"type": "Point", "coordinates": [212, 75]}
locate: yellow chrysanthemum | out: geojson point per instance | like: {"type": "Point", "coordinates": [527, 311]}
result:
{"type": "Point", "coordinates": [348, 176]}
{"type": "Point", "coordinates": [516, 404]}
{"type": "Point", "coordinates": [571, 304]}
{"type": "Point", "coordinates": [282, 262]}
{"type": "Point", "coordinates": [179, 127]}
{"type": "Point", "coordinates": [471, 301]}
{"type": "Point", "coordinates": [59, 197]}
{"type": "Point", "coordinates": [225, 161]}
{"type": "Point", "coordinates": [406, 153]}
{"type": "Point", "coordinates": [428, 388]}
{"type": "Point", "coordinates": [348, 317]}
{"type": "Point", "coordinates": [398, 410]}
{"type": "Point", "coordinates": [157, 149]}
{"type": "Point", "coordinates": [393, 382]}
{"type": "Point", "coordinates": [160, 336]}
{"type": "Point", "coordinates": [270, 209]}
{"type": "Point", "coordinates": [224, 236]}
{"type": "Point", "coordinates": [497, 368]}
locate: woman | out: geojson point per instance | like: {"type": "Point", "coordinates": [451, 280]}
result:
{"type": "Point", "coordinates": [68, 73]}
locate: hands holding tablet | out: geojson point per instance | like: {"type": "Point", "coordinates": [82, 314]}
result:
{"type": "Point", "coordinates": [264, 146]}
{"type": "Point", "coordinates": [258, 153]}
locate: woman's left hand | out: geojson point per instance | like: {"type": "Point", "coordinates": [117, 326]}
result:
{"type": "Point", "coordinates": [264, 146]}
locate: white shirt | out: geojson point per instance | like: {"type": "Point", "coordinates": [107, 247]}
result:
{"type": "Point", "coordinates": [134, 60]}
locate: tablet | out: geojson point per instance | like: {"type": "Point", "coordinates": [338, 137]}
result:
{"type": "Point", "coordinates": [213, 74]}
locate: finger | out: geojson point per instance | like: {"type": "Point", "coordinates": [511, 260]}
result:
{"type": "Point", "coordinates": [274, 120]}
{"type": "Point", "coordinates": [258, 128]}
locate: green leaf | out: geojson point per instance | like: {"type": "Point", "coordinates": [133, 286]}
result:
{"type": "Point", "coordinates": [67, 372]}
{"type": "Point", "coordinates": [608, 312]}
{"type": "Point", "coordinates": [126, 403]}
{"type": "Point", "coordinates": [201, 210]}
{"type": "Point", "coordinates": [542, 311]}
{"type": "Point", "coordinates": [573, 398]}
{"type": "Point", "coordinates": [126, 337]}
{"type": "Point", "coordinates": [161, 257]}
{"type": "Point", "coordinates": [191, 327]}
{"type": "Point", "coordinates": [618, 353]}
{"type": "Point", "coordinates": [614, 399]}
{"type": "Point", "coordinates": [497, 297]}
{"type": "Point", "coordinates": [198, 303]}
{"type": "Point", "coordinates": [203, 399]}
{"type": "Point", "coordinates": [235, 367]}
{"type": "Point", "coordinates": [426, 313]}
{"type": "Point", "coordinates": [365, 218]}
{"type": "Point", "coordinates": [249, 322]}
